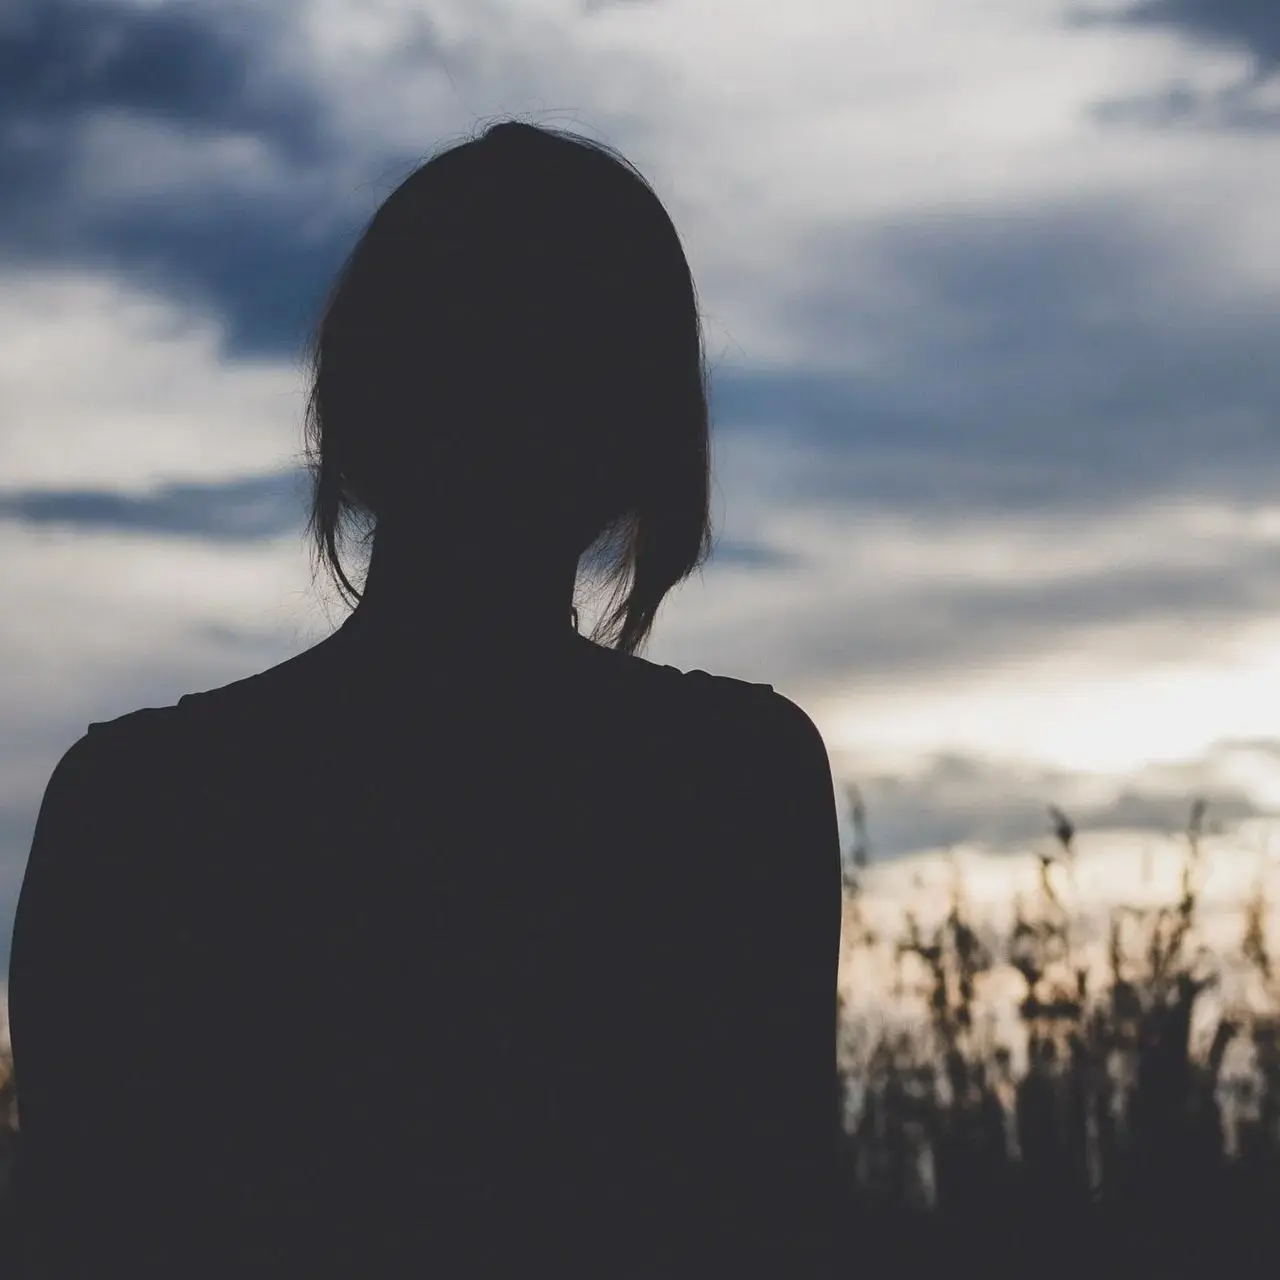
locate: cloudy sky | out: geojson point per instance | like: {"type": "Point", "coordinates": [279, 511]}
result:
{"type": "Point", "coordinates": [992, 297]}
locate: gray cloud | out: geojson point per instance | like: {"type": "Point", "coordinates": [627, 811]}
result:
{"type": "Point", "coordinates": [261, 264]}
{"type": "Point", "coordinates": [754, 555]}
{"type": "Point", "coordinates": [1033, 334]}
{"type": "Point", "coordinates": [1181, 105]}
{"type": "Point", "coordinates": [235, 511]}
{"type": "Point", "coordinates": [600, 6]}
{"type": "Point", "coordinates": [65, 58]}
{"type": "Point", "coordinates": [879, 633]}
{"type": "Point", "coordinates": [1050, 359]}
{"type": "Point", "coordinates": [1052, 365]}
{"type": "Point", "coordinates": [957, 798]}
{"type": "Point", "coordinates": [1249, 26]}
{"type": "Point", "coordinates": [1253, 25]}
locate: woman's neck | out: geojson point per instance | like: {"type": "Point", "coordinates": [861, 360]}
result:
{"type": "Point", "coordinates": [447, 599]}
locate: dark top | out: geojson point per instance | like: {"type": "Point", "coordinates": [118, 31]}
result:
{"type": "Point", "coordinates": [339, 971]}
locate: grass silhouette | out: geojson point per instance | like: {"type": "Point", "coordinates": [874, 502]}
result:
{"type": "Point", "coordinates": [1119, 1146]}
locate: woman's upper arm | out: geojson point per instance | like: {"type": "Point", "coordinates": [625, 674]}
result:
{"type": "Point", "coordinates": [69, 1028]}
{"type": "Point", "coordinates": [50, 960]}
{"type": "Point", "coordinates": [789, 882]}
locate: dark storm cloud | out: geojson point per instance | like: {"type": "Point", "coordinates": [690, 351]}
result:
{"type": "Point", "coordinates": [1049, 365]}
{"type": "Point", "coordinates": [1048, 362]}
{"type": "Point", "coordinates": [261, 264]}
{"type": "Point", "coordinates": [1039, 375]}
{"type": "Point", "coordinates": [62, 59]}
{"type": "Point", "coordinates": [235, 511]}
{"type": "Point", "coordinates": [1253, 25]}
{"type": "Point", "coordinates": [1248, 26]}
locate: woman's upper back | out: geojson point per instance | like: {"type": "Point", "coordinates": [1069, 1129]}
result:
{"type": "Point", "coordinates": [401, 958]}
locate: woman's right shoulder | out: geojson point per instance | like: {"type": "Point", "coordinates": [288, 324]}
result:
{"type": "Point", "coordinates": [706, 684]}
{"type": "Point", "coordinates": [752, 716]}
{"type": "Point", "coordinates": [746, 696]}
{"type": "Point", "coordinates": [699, 692]}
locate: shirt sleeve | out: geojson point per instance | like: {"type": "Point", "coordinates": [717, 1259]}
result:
{"type": "Point", "coordinates": [85, 1179]}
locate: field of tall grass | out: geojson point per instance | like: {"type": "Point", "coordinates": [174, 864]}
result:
{"type": "Point", "coordinates": [1103, 1124]}
{"type": "Point", "coordinates": [1018, 1104]}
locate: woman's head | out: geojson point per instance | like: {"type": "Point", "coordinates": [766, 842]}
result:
{"type": "Point", "coordinates": [511, 359]}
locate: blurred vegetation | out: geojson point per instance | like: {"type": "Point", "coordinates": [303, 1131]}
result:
{"type": "Point", "coordinates": [1121, 1144]}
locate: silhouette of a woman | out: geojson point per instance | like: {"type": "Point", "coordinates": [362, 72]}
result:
{"type": "Point", "coordinates": [462, 943]}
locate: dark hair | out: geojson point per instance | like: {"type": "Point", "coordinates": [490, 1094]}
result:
{"type": "Point", "coordinates": [526, 284]}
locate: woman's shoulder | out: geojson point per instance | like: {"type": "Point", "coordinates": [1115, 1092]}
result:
{"type": "Point", "coordinates": [758, 701]}
{"type": "Point", "coordinates": [726, 686]}
{"type": "Point", "coordinates": [742, 729]}
{"type": "Point", "coordinates": [747, 715]}
{"type": "Point", "coordinates": [106, 743]}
